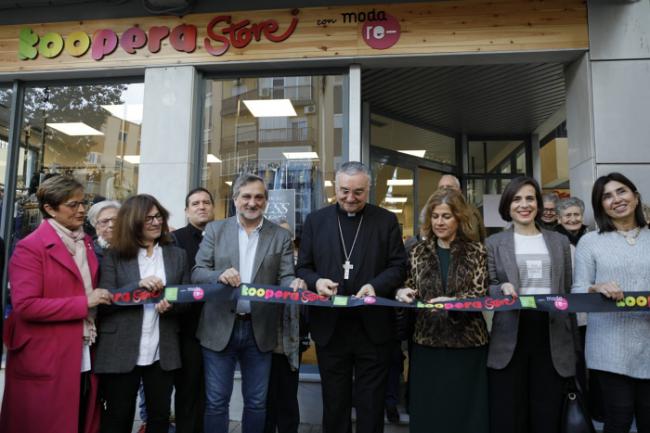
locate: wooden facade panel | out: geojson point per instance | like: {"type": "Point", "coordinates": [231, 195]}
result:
{"type": "Point", "coordinates": [455, 26]}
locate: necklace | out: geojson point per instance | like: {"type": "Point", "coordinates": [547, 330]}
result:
{"type": "Point", "coordinates": [630, 235]}
{"type": "Point", "coordinates": [347, 266]}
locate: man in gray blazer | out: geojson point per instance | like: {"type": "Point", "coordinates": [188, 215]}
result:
{"type": "Point", "coordinates": [246, 248]}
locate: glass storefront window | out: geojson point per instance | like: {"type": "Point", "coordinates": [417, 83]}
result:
{"type": "Point", "coordinates": [493, 157]}
{"type": "Point", "coordinates": [392, 134]}
{"type": "Point", "coordinates": [394, 191]}
{"type": "Point", "coordinates": [5, 116]}
{"type": "Point", "coordinates": [90, 132]}
{"type": "Point", "coordinates": [246, 129]}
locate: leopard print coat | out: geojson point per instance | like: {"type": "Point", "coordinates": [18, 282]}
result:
{"type": "Point", "coordinates": [467, 278]}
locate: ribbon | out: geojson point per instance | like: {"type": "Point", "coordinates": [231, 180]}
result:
{"type": "Point", "coordinates": [568, 303]}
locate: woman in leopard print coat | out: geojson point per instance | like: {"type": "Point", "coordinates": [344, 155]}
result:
{"type": "Point", "coordinates": [448, 373]}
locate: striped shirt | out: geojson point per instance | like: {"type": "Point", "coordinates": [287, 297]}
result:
{"type": "Point", "coordinates": [534, 264]}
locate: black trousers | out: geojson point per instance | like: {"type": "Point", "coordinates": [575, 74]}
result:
{"type": "Point", "coordinates": [84, 389]}
{"type": "Point", "coordinates": [282, 412]}
{"type": "Point", "coordinates": [349, 363]}
{"type": "Point", "coordinates": [625, 397]}
{"type": "Point", "coordinates": [527, 395]}
{"type": "Point", "coordinates": [119, 393]}
{"type": "Point", "coordinates": [189, 400]}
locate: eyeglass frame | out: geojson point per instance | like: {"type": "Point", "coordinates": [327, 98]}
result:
{"type": "Point", "coordinates": [74, 205]}
{"type": "Point", "coordinates": [148, 219]}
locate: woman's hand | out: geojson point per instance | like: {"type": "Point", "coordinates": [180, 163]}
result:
{"type": "Point", "coordinates": [163, 306]}
{"type": "Point", "coordinates": [610, 289]}
{"type": "Point", "coordinates": [151, 283]}
{"type": "Point", "coordinates": [440, 299]}
{"type": "Point", "coordinates": [99, 296]}
{"type": "Point", "coordinates": [509, 290]}
{"type": "Point", "coordinates": [406, 295]}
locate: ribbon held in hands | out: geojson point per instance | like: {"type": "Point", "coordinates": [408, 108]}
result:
{"type": "Point", "coordinates": [569, 303]}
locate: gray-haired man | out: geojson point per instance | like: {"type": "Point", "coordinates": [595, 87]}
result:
{"type": "Point", "coordinates": [245, 248]}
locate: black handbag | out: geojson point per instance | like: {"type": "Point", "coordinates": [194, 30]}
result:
{"type": "Point", "coordinates": [575, 415]}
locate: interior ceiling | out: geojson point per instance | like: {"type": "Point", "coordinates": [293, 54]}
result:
{"type": "Point", "coordinates": [479, 100]}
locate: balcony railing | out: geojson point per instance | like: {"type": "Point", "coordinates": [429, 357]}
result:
{"type": "Point", "coordinates": [303, 136]}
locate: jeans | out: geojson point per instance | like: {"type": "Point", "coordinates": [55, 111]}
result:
{"type": "Point", "coordinates": [219, 373]}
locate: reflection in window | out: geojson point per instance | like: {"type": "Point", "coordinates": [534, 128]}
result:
{"type": "Point", "coordinates": [394, 192]}
{"type": "Point", "coordinates": [412, 140]}
{"type": "Point", "coordinates": [5, 115]}
{"type": "Point", "coordinates": [89, 132]}
{"type": "Point", "coordinates": [296, 151]}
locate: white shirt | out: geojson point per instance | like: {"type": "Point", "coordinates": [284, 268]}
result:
{"type": "Point", "coordinates": [247, 249]}
{"type": "Point", "coordinates": [534, 264]}
{"type": "Point", "coordinates": [150, 336]}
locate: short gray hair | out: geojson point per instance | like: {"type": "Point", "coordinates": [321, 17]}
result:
{"type": "Point", "coordinates": [566, 203]}
{"type": "Point", "coordinates": [353, 167]}
{"type": "Point", "coordinates": [244, 179]}
{"type": "Point", "coordinates": [552, 197]}
{"type": "Point", "coordinates": [97, 208]}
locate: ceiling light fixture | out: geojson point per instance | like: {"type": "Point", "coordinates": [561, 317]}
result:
{"type": "Point", "coordinates": [396, 199]}
{"type": "Point", "coordinates": [418, 153]}
{"type": "Point", "coordinates": [300, 155]}
{"type": "Point", "coordinates": [399, 182]}
{"type": "Point", "coordinates": [75, 129]}
{"type": "Point", "coordinates": [131, 159]}
{"type": "Point", "coordinates": [211, 159]}
{"type": "Point", "coordinates": [270, 107]}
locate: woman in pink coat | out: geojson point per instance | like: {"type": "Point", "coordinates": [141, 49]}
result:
{"type": "Point", "coordinates": [48, 384]}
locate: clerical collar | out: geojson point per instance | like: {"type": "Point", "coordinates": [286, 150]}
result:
{"type": "Point", "coordinates": [350, 214]}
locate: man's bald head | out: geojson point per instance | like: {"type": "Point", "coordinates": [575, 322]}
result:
{"type": "Point", "coordinates": [449, 181]}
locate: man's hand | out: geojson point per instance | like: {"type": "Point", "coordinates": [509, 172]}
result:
{"type": "Point", "coordinates": [610, 289]}
{"type": "Point", "coordinates": [326, 287]}
{"type": "Point", "coordinates": [406, 295]}
{"type": "Point", "coordinates": [231, 277]}
{"type": "Point", "coordinates": [298, 284]}
{"type": "Point", "coordinates": [151, 283]}
{"type": "Point", "coordinates": [366, 290]}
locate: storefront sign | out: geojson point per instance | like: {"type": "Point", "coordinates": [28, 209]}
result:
{"type": "Point", "coordinates": [222, 33]}
{"type": "Point", "coordinates": [281, 208]}
{"type": "Point", "coordinates": [453, 26]}
{"type": "Point", "coordinates": [381, 34]}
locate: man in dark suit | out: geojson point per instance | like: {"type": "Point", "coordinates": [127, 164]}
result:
{"type": "Point", "coordinates": [352, 248]}
{"type": "Point", "coordinates": [245, 248]}
{"type": "Point", "coordinates": [188, 380]}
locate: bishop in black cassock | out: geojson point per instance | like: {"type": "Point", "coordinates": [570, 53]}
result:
{"type": "Point", "coordinates": [352, 344]}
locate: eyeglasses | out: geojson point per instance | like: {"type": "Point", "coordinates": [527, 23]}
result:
{"type": "Point", "coordinates": [106, 221]}
{"type": "Point", "coordinates": [548, 210]}
{"type": "Point", "coordinates": [149, 218]}
{"type": "Point", "coordinates": [74, 205]}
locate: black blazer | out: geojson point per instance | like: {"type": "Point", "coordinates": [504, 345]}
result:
{"type": "Point", "coordinates": [379, 258]}
{"type": "Point", "coordinates": [119, 328]}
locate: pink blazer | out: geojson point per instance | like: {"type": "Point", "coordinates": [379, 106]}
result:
{"type": "Point", "coordinates": [44, 336]}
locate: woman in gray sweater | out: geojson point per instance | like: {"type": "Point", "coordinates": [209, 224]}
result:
{"type": "Point", "coordinates": [614, 259]}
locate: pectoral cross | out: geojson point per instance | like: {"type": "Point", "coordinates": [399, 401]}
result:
{"type": "Point", "coordinates": [347, 266]}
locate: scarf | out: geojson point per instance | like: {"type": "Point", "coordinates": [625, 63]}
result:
{"type": "Point", "coordinates": [74, 242]}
